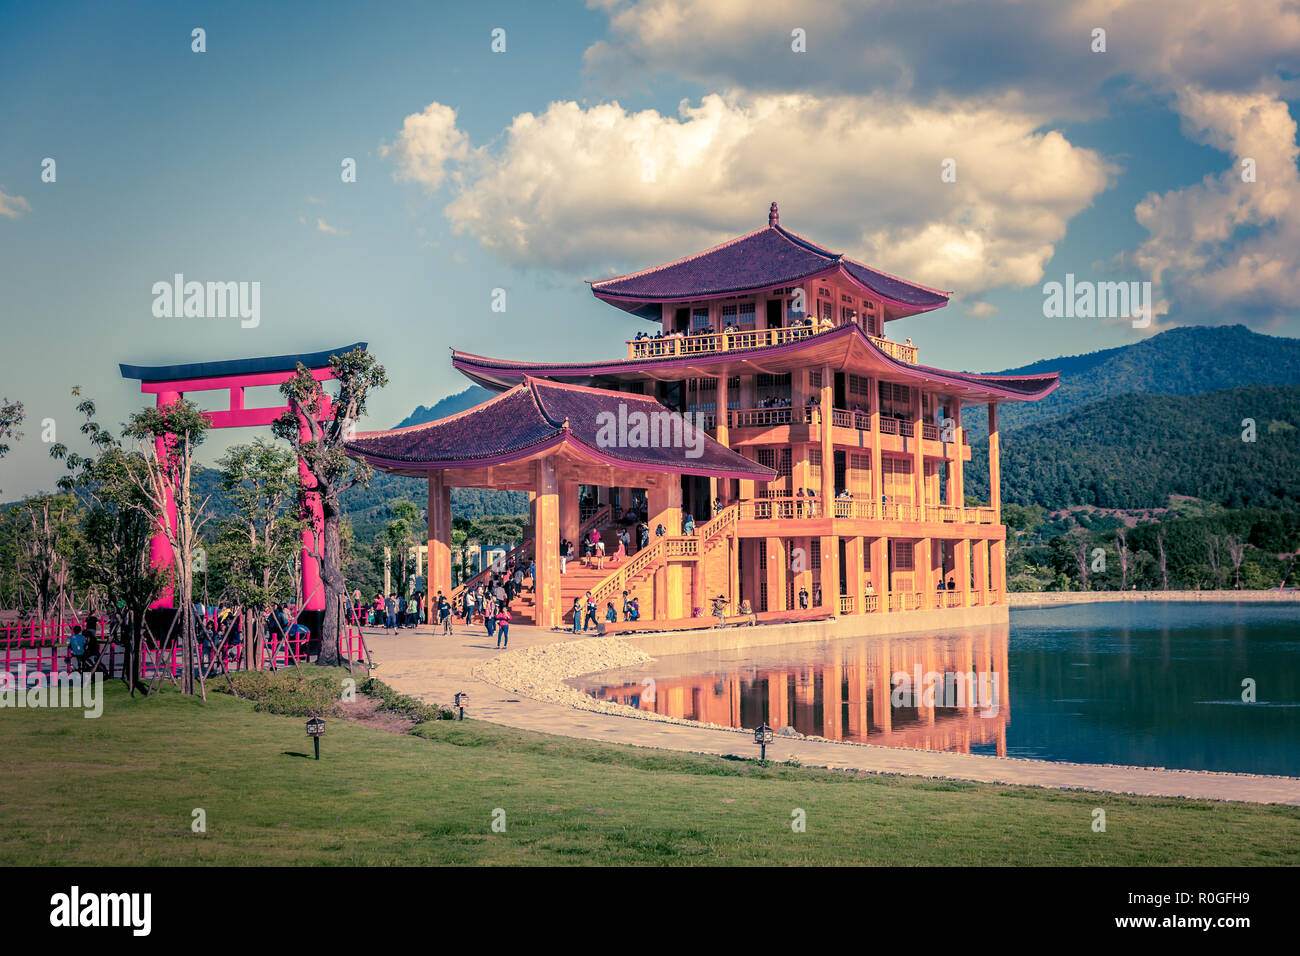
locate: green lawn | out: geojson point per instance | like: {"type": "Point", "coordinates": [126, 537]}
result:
{"type": "Point", "coordinates": [121, 790]}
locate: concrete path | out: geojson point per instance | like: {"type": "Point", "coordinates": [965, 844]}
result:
{"type": "Point", "coordinates": [428, 665]}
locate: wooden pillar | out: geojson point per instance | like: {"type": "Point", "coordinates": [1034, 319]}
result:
{"type": "Point", "coordinates": [918, 457]}
{"type": "Point", "coordinates": [877, 479]}
{"type": "Point", "coordinates": [439, 518]}
{"type": "Point", "coordinates": [800, 563]}
{"type": "Point", "coordinates": [980, 559]}
{"type": "Point", "coordinates": [995, 466]}
{"type": "Point", "coordinates": [754, 559]}
{"type": "Point", "coordinates": [827, 490]}
{"type": "Point", "coordinates": [923, 562]}
{"type": "Point", "coordinates": [830, 545]}
{"type": "Point", "coordinates": [961, 568]}
{"type": "Point", "coordinates": [880, 571]}
{"type": "Point", "coordinates": [998, 568]}
{"type": "Point", "coordinates": [776, 570]}
{"type": "Point", "coordinates": [570, 514]}
{"type": "Point", "coordinates": [956, 479]}
{"type": "Point", "coordinates": [854, 576]}
{"type": "Point", "coordinates": [733, 573]}
{"type": "Point", "coordinates": [664, 498]}
{"type": "Point", "coordinates": [720, 488]}
{"type": "Point", "coordinates": [546, 543]}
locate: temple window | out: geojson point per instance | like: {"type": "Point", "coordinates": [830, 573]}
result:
{"type": "Point", "coordinates": [700, 319]}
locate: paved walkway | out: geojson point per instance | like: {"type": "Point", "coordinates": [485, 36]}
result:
{"type": "Point", "coordinates": [428, 665]}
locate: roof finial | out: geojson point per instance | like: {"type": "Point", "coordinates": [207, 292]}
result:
{"type": "Point", "coordinates": [773, 216]}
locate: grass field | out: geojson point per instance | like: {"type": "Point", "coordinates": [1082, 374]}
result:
{"type": "Point", "coordinates": [122, 789]}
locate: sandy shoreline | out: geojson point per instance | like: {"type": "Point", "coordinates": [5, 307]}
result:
{"type": "Point", "coordinates": [1058, 598]}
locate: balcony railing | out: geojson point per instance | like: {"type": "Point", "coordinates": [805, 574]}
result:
{"type": "Point", "coordinates": [786, 507]}
{"type": "Point", "coordinates": [896, 350]}
{"type": "Point", "coordinates": [698, 343]}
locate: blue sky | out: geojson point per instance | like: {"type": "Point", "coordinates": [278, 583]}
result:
{"type": "Point", "coordinates": [225, 165]}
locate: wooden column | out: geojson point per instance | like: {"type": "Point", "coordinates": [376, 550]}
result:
{"type": "Point", "coordinates": [830, 545]}
{"type": "Point", "coordinates": [754, 560]}
{"type": "Point", "coordinates": [995, 466]}
{"type": "Point", "coordinates": [956, 480]}
{"type": "Point", "coordinates": [570, 515]}
{"type": "Point", "coordinates": [961, 568]}
{"type": "Point", "coordinates": [546, 543]}
{"type": "Point", "coordinates": [918, 457]}
{"type": "Point", "coordinates": [439, 515]}
{"type": "Point", "coordinates": [873, 407]}
{"type": "Point", "coordinates": [854, 577]}
{"type": "Point", "coordinates": [980, 559]}
{"type": "Point", "coordinates": [924, 563]}
{"type": "Point", "coordinates": [998, 568]}
{"type": "Point", "coordinates": [827, 490]}
{"type": "Point", "coordinates": [776, 570]}
{"type": "Point", "coordinates": [880, 571]}
{"type": "Point", "coordinates": [664, 498]}
{"type": "Point", "coordinates": [721, 488]}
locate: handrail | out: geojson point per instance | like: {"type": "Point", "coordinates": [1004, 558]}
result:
{"type": "Point", "coordinates": [675, 545]}
{"type": "Point", "coordinates": [673, 344]}
{"type": "Point", "coordinates": [458, 592]}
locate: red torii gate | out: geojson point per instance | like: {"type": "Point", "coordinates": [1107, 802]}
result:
{"type": "Point", "coordinates": [171, 382]}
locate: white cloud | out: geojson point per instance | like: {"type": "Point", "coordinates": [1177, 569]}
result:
{"type": "Point", "coordinates": [600, 189]}
{"type": "Point", "coordinates": [427, 143]}
{"type": "Point", "coordinates": [325, 227]}
{"type": "Point", "coordinates": [1224, 244]}
{"type": "Point", "coordinates": [12, 207]}
{"type": "Point", "coordinates": [923, 49]}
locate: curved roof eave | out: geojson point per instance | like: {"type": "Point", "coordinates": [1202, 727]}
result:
{"type": "Point", "coordinates": [478, 367]}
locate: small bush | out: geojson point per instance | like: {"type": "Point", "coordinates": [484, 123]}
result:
{"type": "Point", "coordinates": [288, 693]}
{"type": "Point", "coordinates": [403, 704]}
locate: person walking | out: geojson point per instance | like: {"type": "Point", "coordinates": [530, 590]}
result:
{"type": "Point", "coordinates": [503, 626]}
{"type": "Point", "coordinates": [590, 620]}
{"type": "Point", "coordinates": [490, 618]}
{"type": "Point", "coordinates": [390, 613]}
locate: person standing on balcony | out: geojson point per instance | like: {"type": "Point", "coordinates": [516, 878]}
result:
{"type": "Point", "coordinates": [688, 525]}
{"type": "Point", "coordinates": [564, 553]}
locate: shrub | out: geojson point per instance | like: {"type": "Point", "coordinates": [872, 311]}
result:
{"type": "Point", "coordinates": [287, 692]}
{"type": "Point", "coordinates": [403, 704]}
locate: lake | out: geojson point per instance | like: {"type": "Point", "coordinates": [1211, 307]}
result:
{"type": "Point", "coordinates": [1145, 684]}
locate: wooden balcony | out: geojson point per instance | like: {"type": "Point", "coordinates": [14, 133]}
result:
{"type": "Point", "coordinates": [702, 343]}
{"type": "Point", "coordinates": [862, 509]}
{"type": "Point", "coordinates": [840, 417]}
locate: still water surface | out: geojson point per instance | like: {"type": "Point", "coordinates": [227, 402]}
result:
{"type": "Point", "coordinates": [1150, 684]}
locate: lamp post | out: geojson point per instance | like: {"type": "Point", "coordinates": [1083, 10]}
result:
{"type": "Point", "coordinates": [763, 736]}
{"type": "Point", "coordinates": [462, 701]}
{"type": "Point", "coordinates": [316, 730]}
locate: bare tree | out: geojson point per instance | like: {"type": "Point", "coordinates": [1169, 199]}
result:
{"type": "Point", "coordinates": [1081, 559]}
{"type": "Point", "coordinates": [1121, 552]}
{"type": "Point", "coordinates": [1235, 545]}
{"type": "Point", "coordinates": [167, 437]}
{"type": "Point", "coordinates": [1212, 547]}
{"type": "Point", "coordinates": [1161, 561]}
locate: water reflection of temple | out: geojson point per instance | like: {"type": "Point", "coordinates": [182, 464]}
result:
{"type": "Point", "coordinates": [848, 695]}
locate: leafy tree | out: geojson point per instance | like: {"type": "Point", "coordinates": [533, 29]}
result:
{"type": "Point", "coordinates": [317, 426]}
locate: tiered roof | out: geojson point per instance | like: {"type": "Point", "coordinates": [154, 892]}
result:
{"type": "Point", "coordinates": [843, 347]}
{"type": "Point", "coordinates": [536, 416]}
{"type": "Point", "coordinates": [772, 257]}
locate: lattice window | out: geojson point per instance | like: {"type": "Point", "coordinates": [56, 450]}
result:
{"type": "Point", "coordinates": [815, 469]}
{"type": "Point", "coordinates": [903, 558]}
{"type": "Point", "coordinates": [815, 559]}
{"type": "Point", "coordinates": [860, 385]}
{"type": "Point", "coordinates": [848, 315]}
{"type": "Point", "coordinates": [728, 311]}
{"type": "Point", "coordinates": [896, 474]}
{"type": "Point", "coordinates": [860, 476]}
{"type": "Point", "coordinates": [895, 399]}
{"type": "Point", "coordinates": [748, 311]}
{"type": "Point", "coordinates": [815, 379]}
{"type": "Point", "coordinates": [700, 319]}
